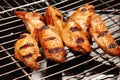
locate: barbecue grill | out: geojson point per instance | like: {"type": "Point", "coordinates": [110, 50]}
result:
{"type": "Point", "coordinates": [93, 66]}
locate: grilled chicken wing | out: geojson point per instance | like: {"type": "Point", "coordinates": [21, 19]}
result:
{"type": "Point", "coordinates": [27, 51]}
{"type": "Point", "coordinates": [53, 19]}
{"type": "Point", "coordinates": [31, 21]}
{"type": "Point", "coordinates": [74, 37]}
{"type": "Point", "coordinates": [81, 15]}
{"type": "Point", "coordinates": [101, 35]}
{"type": "Point", "coordinates": [48, 36]}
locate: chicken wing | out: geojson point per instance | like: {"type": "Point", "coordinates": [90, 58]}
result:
{"type": "Point", "coordinates": [31, 21]}
{"type": "Point", "coordinates": [27, 51]}
{"type": "Point", "coordinates": [74, 37]}
{"type": "Point", "coordinates": [81, 15]}
{"type": "Point", "coordinates": [102, 36]}
{"type": "Point", "coordinates": [53, 19]}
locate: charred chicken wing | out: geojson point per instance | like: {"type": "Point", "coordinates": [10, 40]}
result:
{"type": "Point", "coordinates": [74, 37]}
{"type": "Point", "coordinates": [27, 51]}
{"type": "Point", "coordinates": [102, 36]}
{"type": "Point", "coordinates": [81, 15]}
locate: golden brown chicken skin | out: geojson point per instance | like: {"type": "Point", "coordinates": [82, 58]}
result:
{"type": "Point", "coordinates": [27, 51]}
{"type": "Point", "coordinates": [31, 21]}
{"type": "Point", "coordinates": [54, 17]}
{"type": "Point", "coordinates": [48, 36]}
{"type": "Point", "coordinates": [52, 43]}
{"type": "Point", "coordinates": [102, 36]}
{"type": "Point", "coordinates": [81, 15]}
{"type": "Point", "coordinates": [74, 37]}
{"type": "Point", "coordinates": [53, 20]}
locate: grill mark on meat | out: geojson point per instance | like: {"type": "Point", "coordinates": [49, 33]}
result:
{"type": "Point", "coordinates": [27, 55]}
{"type": "Point", "coordinates": [55, 50]}
{"type": "Point", "coordinates": [73, 29]}
{"type": "Point", "coordinates": [112, 45]}
{"type": "Point", "coordinates": [44, 27]}
{"type": "Point", "coordinates": [27, 45]}
{"type": "Point", "coordinates": [50, 38]}
{"type": "Point", "coordinates": [80, 40]}
{"type": "Point", "coordinates": [22, 36]}
{"type": "Point", "coordinates": [103, 33]}
{"type": "Point", "coordinates": [83, 9]}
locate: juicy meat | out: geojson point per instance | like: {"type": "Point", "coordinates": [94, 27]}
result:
{"type": "Point", "coordinates": [52, 40]}
{"type": "Point", "coordinates": [102, 36]}
{"type": "Point", "coordinates": [27, 51]}
{"type": "Point", "coordinates": [81, 16]}
{"type": "Point", "coordinates": [74, 37]}
{"type": "Point", "coordinates": [31, 21]}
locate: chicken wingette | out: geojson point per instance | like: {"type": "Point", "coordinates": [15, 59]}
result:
{"type": "Point", "coordinates": [102, 36]}
{"type": "Point", "coordinates": [47, 35]}
{"type": "Point", "coordinates": [27, 51]}
{"type": "Point", "coordinates": [74, 38]}
{"type": "Point", "coordinates": [70, 33]}
{"type": "Point", "coordinates": [81, 16]}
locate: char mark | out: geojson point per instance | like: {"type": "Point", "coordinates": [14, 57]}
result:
{"type": "Point", "coordinates": [50, 38]}
{"type": "Point", "coordinates": [44, 27]}
{"type": "Point", "coordinates": [73, 29]}
{"type": "Point", "coordinates": [56, 50]}
{"type": "Point", "coordinates": [103, 33]}
{"type": "Point", "coordinates": [27, 55]}
{"type": "Point", "coordinates": [112, 45]}
{"type": "Point", "coordinates": [80, 40]}
{"type": "Point", "coordinates": [27, 45]}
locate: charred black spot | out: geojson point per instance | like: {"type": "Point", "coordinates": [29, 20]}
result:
{"type": "Point", "coordinates": [73, 29]}
{"type": "Point", "coordinates": [112, 45]}
{"type": "Point", "coordinates": [103, 33]}
{"type": "Point", "coordinates": [50, 38]}
{"type": "Point", "coordinates": [55, 50]}
{"type": "Point", "coordinates": [44, 27]}
{"type": "Point", "coordinates": [22, 36]}
{"type": "Point", "coordinates": [27, 45]}
{"type": "Point", "coordinates": [83, 9]}
{"type": "Point", "coordinates": [80, 40]}
{"type": "Point", "coordinates": [27, 55]}
{"type": "Point", "coordinates": [59, 17]}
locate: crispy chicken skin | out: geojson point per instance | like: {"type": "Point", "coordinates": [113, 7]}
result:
{"type": "Point", "coordinates": [81, 15]}
{"type": "Point", "coordinates": [31, 21]}
{"type": "Point", "coordinates": [74, 37]}
{"type": "Point", "coordinates": [47, 35]}
{"type": "Point", "coordinates": [102, 36]}
{"type": "Point", "coordinates": [27, 51]}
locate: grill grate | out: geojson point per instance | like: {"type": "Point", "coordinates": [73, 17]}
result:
{"type": "Point", "coordinates": [76, 66]}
